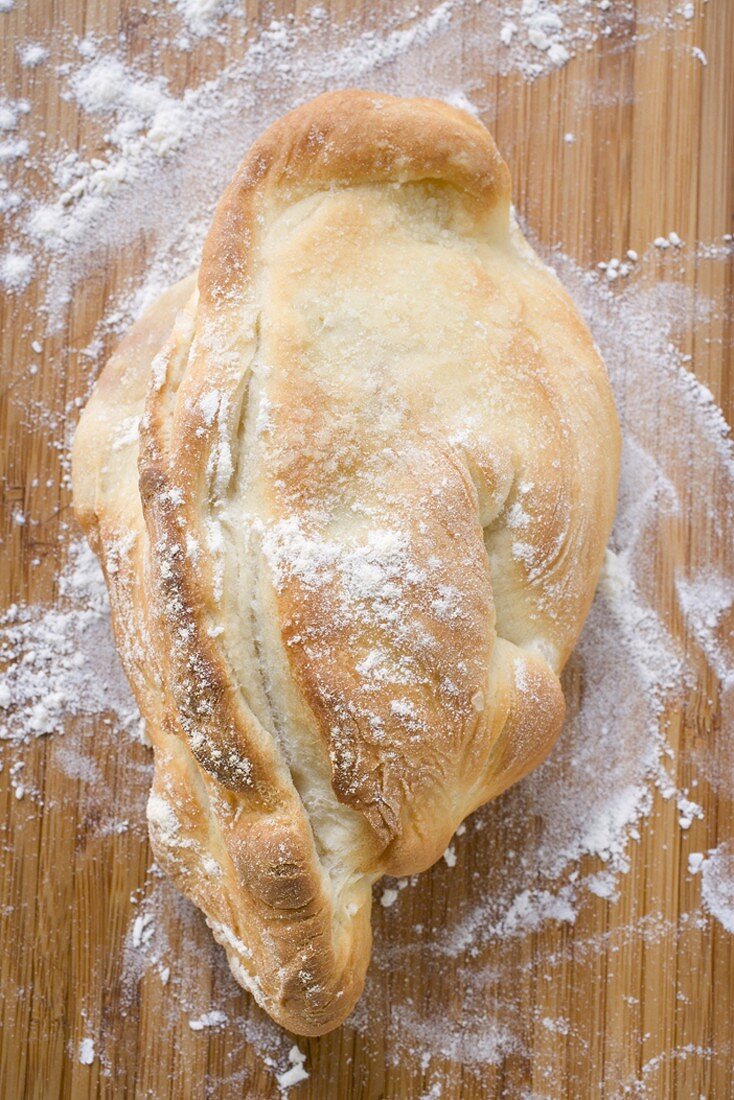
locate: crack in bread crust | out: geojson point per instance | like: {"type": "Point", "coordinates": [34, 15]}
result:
{"type": "Point", "coordinates": [377, 470]}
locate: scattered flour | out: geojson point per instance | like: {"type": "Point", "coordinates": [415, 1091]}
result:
{"type": "Point", "coordinates": [214, 1018]}
{"type": "Point", "coordinates": [296, 1071]}
{"type": "Point", "coordinates": [704, 601]}
{"type": "Point", "coordinates": [11, 113]}
{"type": "Point", "coordinates": [105, 86]}
{"type": "Point", "coordinates": [32, 54]}
{"type": "Point", "coordinates": [16, 270]}
{"type": "Point", "coordinates": [717, 885]}
{"type": "Point", "coordinates": [86, 1052]}
{"type": "Point", "coordinates": [388, 897]}
{"type": "Point", "coordinates": [203, 16]}
{"type": "Point", "coordinates": [60, 661]}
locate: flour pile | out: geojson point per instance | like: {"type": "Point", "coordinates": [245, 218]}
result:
{"type": "Point", "coordinates": [162, 157]}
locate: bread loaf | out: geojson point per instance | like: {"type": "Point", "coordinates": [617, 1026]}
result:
{"type": "Point", "coordinates": [351, 486]}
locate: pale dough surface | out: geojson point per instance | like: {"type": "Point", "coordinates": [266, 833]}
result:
{"type": "Point", "coordinates": [351, 487]}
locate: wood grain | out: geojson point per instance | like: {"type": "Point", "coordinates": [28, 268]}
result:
{"type": "Point", "coordinates": [647, 992]}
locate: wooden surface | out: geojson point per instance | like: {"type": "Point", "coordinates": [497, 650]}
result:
{"type": "Point", "coordinates": [647, 1015]}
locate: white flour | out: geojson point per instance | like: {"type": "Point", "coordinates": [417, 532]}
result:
{"type": "Point", "coordinates": [86, 1052]}
{"type": "Point", "coordinates": [16, 270]}
{"type": "Point", "coordinates": [177, 149]}
{"type": "Point", "coordinates": [203, 16]}
{"type": "Point", "coordinates": [705, 603]}
{"type": "Point", "coordinates": [717, 887]}
{"type": "Point", "coordinates": [60, 661]}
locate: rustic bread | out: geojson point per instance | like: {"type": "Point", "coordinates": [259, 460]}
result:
{"type": "Point", "coordinates": [351, 488]}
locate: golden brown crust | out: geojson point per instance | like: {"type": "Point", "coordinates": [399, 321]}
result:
{"type": "Point", "coordinates": [377, 470]}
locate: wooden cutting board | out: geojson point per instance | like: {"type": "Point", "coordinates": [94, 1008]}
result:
{"type": "Point", "coordinates": [644, 1014]}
